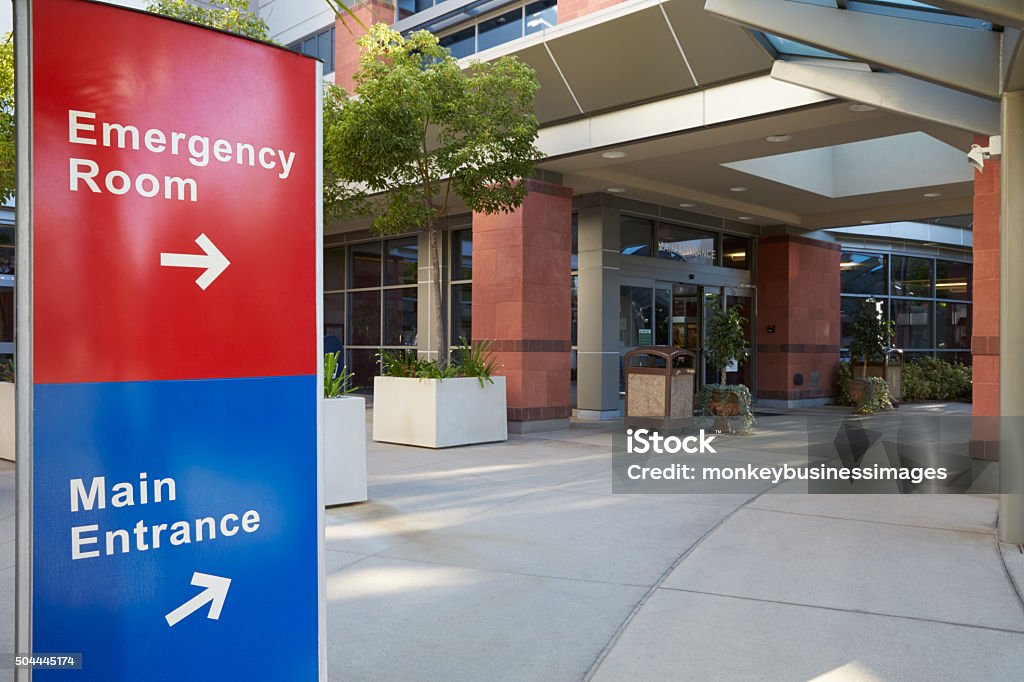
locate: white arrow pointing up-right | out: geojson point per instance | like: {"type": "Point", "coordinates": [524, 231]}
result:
{"type": "Point", "coordinates": [216, 593]}
{"type": "Point", "coordinates": [213, 261]}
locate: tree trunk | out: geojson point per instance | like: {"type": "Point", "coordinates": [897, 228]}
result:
{"type": "Point", "coordinates": [722, 376]}
{"type": "Point", "coordinates": [440, 322]}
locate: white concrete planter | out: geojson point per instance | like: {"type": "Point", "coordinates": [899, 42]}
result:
{"type": "Point", "coordinates": [7, 421]}
{"type": "Point", "coordinates": [436, 413]}
{"type": "Point", "coordinates": [344, 432]}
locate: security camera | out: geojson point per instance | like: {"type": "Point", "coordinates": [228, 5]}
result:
{"type": "Point", "coordinates": [978, 154]}
{"type": "Point", "coordinates": [976, 157]}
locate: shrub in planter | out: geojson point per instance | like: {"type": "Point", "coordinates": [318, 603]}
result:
{"type": "Point", "coordinates": [430, 404]}
{"type": "Point", "coordinates": [727, 403]}
{"type": "Point", "coordinates": [843, 380]}
{"type": "Point", "coordinates": [725, 342]}
{"type": "Point", "coordinates": [876, 395]}
{"type": "Point", "coordinates": [936, 379]}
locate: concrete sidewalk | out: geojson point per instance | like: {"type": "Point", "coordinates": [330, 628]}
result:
{"type": "Point", "coordinates": [515, 562]}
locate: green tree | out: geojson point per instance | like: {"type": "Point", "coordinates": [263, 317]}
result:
{"type": "Point", "coordinates": [871, 334]}
{"type": "Point", "coordinates": [724, 340]}
{"type": "Point", "coordinates": [421, 129]}
{"type": "Point", "coordinates": [7, 141]}
{"type": "Point", "coordinates": [228, 15]}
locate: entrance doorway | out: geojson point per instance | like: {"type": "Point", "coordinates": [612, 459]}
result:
{"type": "Point", "coordinates": [676, 314]}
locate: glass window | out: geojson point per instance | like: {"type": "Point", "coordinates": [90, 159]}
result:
{"type": "Point", "coordinates": [574, 259]}
{"type": "Point", "coordinates": [402, 261]}
{"type": "Point", "coordinates": [636, 236]}
{"type": "Point", "coordinates": [911, 276]}
{"type": "Point", "coordinates": [319, 45]}
{"type": "Point", "coordinates": [325, 49]}
{"type": "Point", "coordinates": [364, 318]}
{"type": "Point", "coordinates": [461, 43]}
{"type": "Point", "coordinates": [541, 15]}
{"type": "Point", "coordinates": [953, 280]}
{"type": "Point", "coordinates": [849, 306]}
{"type": "Point", "coordinates": [365, 265]}
{"type": "Point", "coordinates": [636, 316]}
{"type": "Point", "coordinates": [737, 252]}
{"type": "Point", "coordinates": [7, 315]}
{"type": "Point", "coordinates": [462, 255]}
{"type": "Point", "coordinates": [575, 288]}
{"type": "Point", "coordinates": [462, 312]}
{"type": "Point", "coordinates": [686, 244]}
{"type": "Point", "coordinates": [400, 317]}
{"type": "Point", "coordinates": [913, 323]}
{"type": "Point", "coordinates": [406, 8]}
{"type": "Point", "coordinates": [362, 362]}
{"type": "Point", "coordinates": [952, 325]}
{"type": "Point", "coordinates": [334, 322]}
{"type": "Point", "coordinates": [334, 269]}
{"type": "Point", "coordinates": [662, 316]}
{"type": "Point", "coordinates": [6, 250]}
{"type": "Point", "coordinates": [501, 29]}
{"type": "Point", "coordinates": [862, 273]}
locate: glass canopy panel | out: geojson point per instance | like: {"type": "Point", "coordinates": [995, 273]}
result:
{"type": "Point", "coordinates": [785, 46]}
{"type": "Point", "coordinates": [918, 11]}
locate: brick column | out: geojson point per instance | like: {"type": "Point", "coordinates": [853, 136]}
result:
{"type": "Point", "coordinates": [346, 51]}
{"type": "Point", "coordinates": [522, 302]}
{"type": "Point", "coordinates": [798, 295]}
{"type": "Point", "coordinates": [985, 315]}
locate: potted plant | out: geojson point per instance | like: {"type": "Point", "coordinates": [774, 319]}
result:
{"type": "Point", "coordinates": [871, 335]}
{"type": "Point", "coordinates": [424, 403]}
{"type": "Point", "coordinates": [725, 343]}
{"type": "Point", "coordinates": [7, 410]}
{"type": "Point", "coordinates": [344, 433]}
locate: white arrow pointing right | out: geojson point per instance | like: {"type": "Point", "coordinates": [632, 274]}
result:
{"type": "Point", "coordinates": [216, 592]}
{"type": "Point", "coordinates": [213, 261]}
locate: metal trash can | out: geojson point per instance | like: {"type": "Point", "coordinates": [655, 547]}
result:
{"type": "Point", "coordinates": [659, 387]}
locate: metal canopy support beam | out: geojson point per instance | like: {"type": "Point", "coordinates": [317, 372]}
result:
{"type": "Point", "coordinates": [960, 58]}
{"type": "Point", "coordinates": [897, 93]}
{"type": "Point", "coordinates": [1003, 12]}
{"type": "Point", "coordinates": [1012, 67]}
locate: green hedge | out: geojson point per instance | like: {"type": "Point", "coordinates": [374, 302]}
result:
{"type": "Point", "coordinates": [934, 379]}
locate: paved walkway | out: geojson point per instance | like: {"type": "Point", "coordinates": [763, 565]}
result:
{"type": "Point", "coordinates": [514, 561]}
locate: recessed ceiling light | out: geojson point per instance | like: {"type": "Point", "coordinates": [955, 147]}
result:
{"type": "Point", "coordinates": [862, 107]}
{"type": "Point", "coordinates": [778, 138]}
{"type": "Point", "coordinates": [687, 205]}
{"type": "Point", "coordinates": [616, 190]}
{"type": "Point", "coordinates": [613, 155]}
{"type": "Point", "coordinates": [932, 195]}
{"type": "Point", "coordinates": [746, 217]}
{"type": "Point", "coordinates": [866, 222]}
{"type": "Point", "coordinates": [738, 189]}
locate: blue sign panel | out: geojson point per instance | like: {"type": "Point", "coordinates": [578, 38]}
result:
{"type": "Point", "coordinates": [176, 529]}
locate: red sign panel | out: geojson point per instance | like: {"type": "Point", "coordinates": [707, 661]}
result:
{"type": "Point", "coordinates": [174, 194]}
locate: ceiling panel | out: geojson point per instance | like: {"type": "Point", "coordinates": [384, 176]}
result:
{"type": "Point", "coordinates": [630, 59]}
{"type": "Point", "coordinates": [716, 49]}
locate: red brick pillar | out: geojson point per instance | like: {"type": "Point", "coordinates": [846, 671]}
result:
{"type": "Point", "coordinates": [522, 302]}
{"type": "Point", "coordinates": [798, 297]}
{"type": "Point", "coordinates": [346, 51]}
{"type": "Point", "coordinates": [985, 316]}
